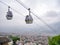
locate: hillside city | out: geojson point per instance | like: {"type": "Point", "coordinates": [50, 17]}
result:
{"type": "Point", "coordinates": [27, 39]}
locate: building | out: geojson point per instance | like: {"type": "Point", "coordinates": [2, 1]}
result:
{"type": "Point", "coordinates": [4, 40]}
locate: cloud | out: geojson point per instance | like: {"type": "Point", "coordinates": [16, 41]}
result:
{"type": "Point", "coordinates": [51, 17]}
{"type": "Point", "coordinates": [58, 3]}
{"type": "Point", "coordinates": [52, 14]}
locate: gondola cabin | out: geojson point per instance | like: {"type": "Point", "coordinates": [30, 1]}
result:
{"type": "Point", "coordinates": [9, 15]}
{"type": "Point", "coordinates": [29, 19]}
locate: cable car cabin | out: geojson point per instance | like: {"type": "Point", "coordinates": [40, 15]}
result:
{"type": "Point", "coordinates": [9, 14]}
{"type": "Point", "coordinates": [29, 19]}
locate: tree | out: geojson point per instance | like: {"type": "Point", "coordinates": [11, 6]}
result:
{"type": "Point", "coordinates": [54, 40]}
{"type": "Point", "coordinates": [14, 38]}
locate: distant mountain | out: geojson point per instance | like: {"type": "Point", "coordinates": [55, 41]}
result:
{"type": "Point", "coordinates": [47, 31]}
{"type": "Point", "coordinates": [56, 26]}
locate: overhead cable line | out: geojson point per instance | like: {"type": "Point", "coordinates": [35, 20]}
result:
{"type": "Point", "coordinates": [14, 10]}
{"type": "Point", "coordinates": [32, 13]}
{"type": "Point", "coordinates": [21, 3]}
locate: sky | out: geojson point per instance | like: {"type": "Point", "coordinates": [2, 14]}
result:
{"type": "Point", "coordinates": [48, 10]}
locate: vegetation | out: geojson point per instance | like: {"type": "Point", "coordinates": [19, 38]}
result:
{"type": "Point", "coordinates": [14, 38]}
{"type": "Point", "coordinates": [54, 40]}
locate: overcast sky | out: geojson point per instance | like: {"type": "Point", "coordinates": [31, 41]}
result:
{"type": "Point", "coordinates": [48, 10]}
